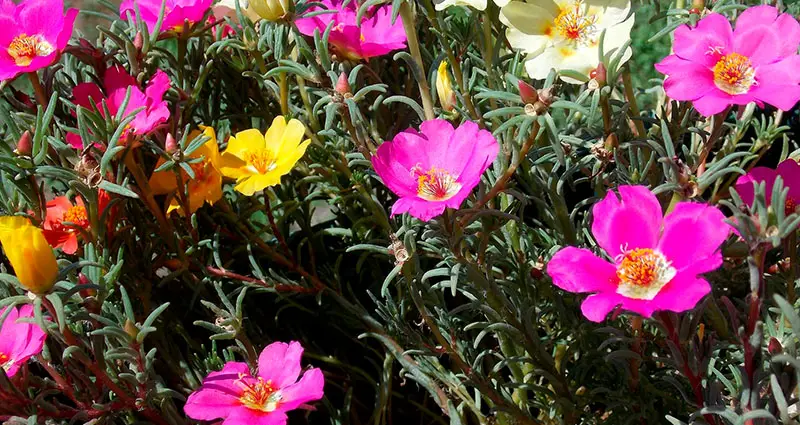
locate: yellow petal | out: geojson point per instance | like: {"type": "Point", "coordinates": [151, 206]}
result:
{"type": "Point", "coordinates": [209, 150]}
{"type": "Point", "coordinates": [287, 162]}
{"type": "Point", "coordinates": [274, 134]}
{"type": "Point", "coordinates": [29, 254]}
{"type": "Point", "coordinates": [163, 182]}
{"type": "Point", "coordinates": [257, 182]}
{"type": "Point", "coordinates": [292, 137]}
{"type": "Point", "coordinates": [233, 166]}
{"type": "Point", "coordinates": [245, 141]}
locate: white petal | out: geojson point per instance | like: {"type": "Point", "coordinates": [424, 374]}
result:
{"type": "Point", "coordinates": [615, 37]}
{"type": "Point", "coordinates": [529, 44]}
{"type": "Point", "coordinates": [527, 17]}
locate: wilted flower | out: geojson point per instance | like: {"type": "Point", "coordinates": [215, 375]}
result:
{"type": "Point", "coordinates": [714, 67]}
{"type": "Point", "coordinates": [656, 260]}
{"type": "Point", "coordinates": [376, 36]}
{"type": "Point", "coordinates": [205, 186]}
{"type": "Point", "coordinates": [447, 98]}
{"type": "Point", "coordinates": [271, 10]}
{"type": "Point", "coordinates": [258, 161]}
{"type": "Point", "coordinates": [116, 82]}
{"type": "Point", "coordinates": [29, 41]}
{"type": "Point", "coordinates": [60, 212]}
{"type": "Point", "coordinates": [435, 168]}
{"type": "Point", "coordinates": [29, 254]}
{"type": "Point", "coordinates": [19, 341]}
{"type": "Point", "coordinates": [789, 171]}
{"type": "Point", "coordinates": [565, 34]}
{"type": "Point", "coordinates": [240, 398]}
{"type": "Point", "coordinates": [176, 12]}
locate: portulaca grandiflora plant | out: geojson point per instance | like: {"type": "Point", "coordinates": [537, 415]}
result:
{"type": "Point", "coordinates": [463, 212]}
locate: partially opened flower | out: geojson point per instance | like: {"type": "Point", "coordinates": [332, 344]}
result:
{"type": "Point", "coordinates": [19, 341]}
{"type": "Point", "coordinates": [258, 161]}
{"type": "Point", "coordinates": [444, 89]}
{"type": "Point", "coordinates": [656, 261]}
{"type": "Point", "coordinates": [714, 67]}
{"type": "Point", "coordinates": [116, 83]}
{"type": "Point", "coordinates": [271, 10]}
{"type": "Point", "coordinates": [33, 34]}
{"type": "Point", "coordinates": [565, 34]}
{"type": "Point", "coordinates": [29, 254]}
{"type": "Point", "coordinates": [205, 186]}
{"type": "Point", "coordinates": [788, 170]}
{"type": "Point", "coordinates": [434, 168]}
{"type": "Point", "coordinates": [376, 36]}
{"type": "Point", "coordinates": [176, 12]}
{"type": "Point", "coordinates": [238, 397]}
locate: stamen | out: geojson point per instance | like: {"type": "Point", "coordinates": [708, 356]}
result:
{"type": "Point", "coordinates": [5, 362]}
{"type": "Point", "coordinates": [436, 184]}
{"type": "Point", "coordinates": [574, 25]}
{"type": "Point", "coordinates": [262, 160]}
{"type": "Point", "coordinates": [791, 206]}
{"type": "Point", "coordinates": [259, 394]}
{"type": "Point", "coordinates": [734, 74]}
{"type": "Point", "coordinates": [77, 216]}
{"type": "Point", "coordinates": [642, 273]}
{"type": "Point", "coordinates": [25, 48]}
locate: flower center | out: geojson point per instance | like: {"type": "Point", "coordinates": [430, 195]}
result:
{"type": "Point", "coordinates": [574, 25]}
{"type": "Point", "coordinates": [77, 216]}
{"type": "Point", "coordinates": [642, 273]}
{"type": "Point", "coordinates": [733, 74]}
{"type": "Point", "coordinates": [259, 395]}
{"type": "Point", "coordinates": [5, 361]}
{"type": "Point", "coordinates": [791, 206]}
{"type": "Point", "coordinates": [436, 184]}
{"type": "Point", "coordinates": [25, 48]}
{"type": "Point", "coordinates": [199, 169]}
{"type": "Point", "coordinates": [262, 160]}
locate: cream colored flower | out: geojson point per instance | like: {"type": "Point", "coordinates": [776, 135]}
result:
{"type": "Point", "coordinates": [227, 8]}
{"type": "Point", "coordinates": [271, 10]}
{"type": "Point", "coordinates": [565, 34]}
{"type": "Point", "coordinates": [477, 4]}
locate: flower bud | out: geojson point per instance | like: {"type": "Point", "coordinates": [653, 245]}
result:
{"type": "Point", "coordinates": [171, 145]}
{"type": "Point", "coordinates": [447, 98]}
{"type": "Point", "coordinates": [29, 254]}
{"type": "Point", "coordinates": [527, 92]}
{"type": "Point", "coordinates": [342, 86]}
{"type": "Point", "coordinates": [131, 329]}
{"type": "Point", "coordinates": [138, 41]}
{"type": "Point", "coordinates": [698, 5]}
{"type": "Point", "coordinates": [271, 10]}
{"type": "Point", "coordinates": [25, 144]}
{"type": "Point", "coordinates": [599, 74]}
{"type": "Point", "coordinates": [774, 346]}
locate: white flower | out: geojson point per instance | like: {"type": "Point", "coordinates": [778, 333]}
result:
{"type": "Point", "coordinates": [565, 34]}
{"type": "Point", "coordinates": [477, 4]}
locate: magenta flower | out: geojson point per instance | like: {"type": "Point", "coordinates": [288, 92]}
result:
{"type": "Point", "coordinates": [656, 260]}
{"type": "Point", "coordinates": [715, 67]}
{"type": "Point", "coordinates": [116, 82]}
{"type": "Point", "coordinates": [239, 398]}
{"type": "Point", "coordinates": [435, 168]}
{"type": "Point", "coordinates": [32, 34]}
{"type": "Point", "coordinates": [19, 341]}
{"type": "Point", "coordinates": [789, 171]}
{"type": "Point", "coordinates": [377, 35]}
{"type": "Point", "coordinates": [176, 12]}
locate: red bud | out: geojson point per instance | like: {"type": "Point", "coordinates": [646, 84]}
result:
{"type": "Point", "coordinates": [342, 86]}
{"type": "Point", "coordinates": [527, 92]}
{"type": "Point", "coordinates": [25, 144]}
{"type": "Point", "coordinates": [774, 346]}
{"type": "Point", "coordinates": [600, 74]}
{"type": "Point", "coordinates": [171, 145]}
{"type": "Point", "coordinates": [138, 41]}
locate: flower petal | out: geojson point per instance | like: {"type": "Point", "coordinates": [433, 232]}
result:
{"type": "Point", "coordinates": [633, 221]}
{"type": "Point", "coordinates": [682, 293]}
{"type": "Point", "coordinates": [580, 270]}
{"type": "Point", "coordinates": [745, 184]}
{"type": "Point", "coordinates": [711, 33]}
{"type": "Point", "coordinates": [280, 363]}
{"type": "Point", "coordinates": [693, 233]}
{"type": "Point", "coordinates": [308, 388]}
{"type": "Point", "coordinates": [596, 307]}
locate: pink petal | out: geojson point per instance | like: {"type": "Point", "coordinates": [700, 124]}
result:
{"type": "Point", "coordinates": [419, 208]}
{"type": "Point", "coordinates": [394, 175]}
{"type": "Point", "coordinates": [580, 270]}
{"type": "Point", "coordinates": [784, 24]}
{"type": "Point", "coordinates": [209, 404]}
{"type": "Point", "coordinates": [693, 233]}
{"type": "Point", "coordinates": [686, 80]}
{"type": "Point", "coordinates": [634, 221]}
{"type": "Point", "coordinates": [760, 43]}
{"type": "Point", "coordinates": [66, 30]}
{"type": "Point", "coordinates": [782, 96]}
{"type": "Point", "coordinates": [245, 416]}
{"type": "Point", "coordinates": [43, 17]}
{"type": "Point", "coordinates": [711, 33]}
{"type": "Point", "coordinates": [444, 146]}
{"type": "Point", "coordinates": [714, 102]}
{"type": "Point", "coordinates": [280, 363]}
{"type": "Point", "coordinates": [745, 188]}
{"type": "Point", "coordinates": [483, 153]}
{"type": "Point", "coordinates": [308, 388]}
{"type": "Point", "coordinates": [117, 78]}
{"type": "Point", "coordinates": [85, 91]}
{"type": "Point", "coordinates": [157, 86]}
{"type": "Point", "coordinates": [596, 307]}
{"type": "Point", "coordinates": [789, 170]}
{"type": "Point", "coordinates": [682, 293]}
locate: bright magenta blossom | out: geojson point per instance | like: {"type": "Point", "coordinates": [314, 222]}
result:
{"type": "Point", "coordinates": [238, 397]}
{"type": "Point", "coordinates": [32, 34]}
{"type": "Point", "coordinates": [435, 168]}
{"type": "Point", "coordinates": [117, 81]}
{"type": "Point", "coordinates": [176, 12]}
{"type": "Point", "coordinates": [657, 260]}
{"type": "Point", "coordinates": [19, 341]}
{"type": "Point", "coordinates": [376, 36]}
{"type": "Point", "coordinates": [789, 171]}
{"type": "Point", "coordinates": [715, 67]}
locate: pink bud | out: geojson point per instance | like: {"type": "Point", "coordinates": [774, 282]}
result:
{"type": "Point", "coordinates": [342, 86]}
{"type": "Point", "coordinates": [171, 145]}
{"type": "Point", "coordinates": [138, 41]}
{"type": "Point", "coordinates": [25, 144]}
{"type": "Point", "coordinates": [527, 92]}
{"type": "Point", "coordinates": [599, 74]}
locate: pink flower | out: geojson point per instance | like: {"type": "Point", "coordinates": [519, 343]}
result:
{"type": "Point", "coordinates": [435, 168]}
{"type": "Point", "coordinates": [715, 67]}
{"type": "Point", "coordinates": [656, 260]}
{"type": "Point", "coordinates": [239, 398]}
{"type": "Point", "coordinates": [377, 35]}
{"type": "Point", "coordinates": [19, 341]}
{"type": "Point", "coordinates": [175, 12]}
{"type": "Point", "coordinates": [116, 81]}
{"type": "Point", "coordinates": [32, 34]}
{"type": "Point", "coordinates": [789, 171]}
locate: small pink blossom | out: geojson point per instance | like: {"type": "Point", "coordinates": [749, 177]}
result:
{"type": "Point", "coordinates": [435, 168]}
{"type": "Point", "coordinates": [657, 260]}
{"type": "Point", "coordinates": [32, 35]}
{"type": "Point", "coordinates": [715, 67]}
{"type": "Point", "coordinates": [116, 82]}
{"type": "Point", "coordinates": [789, 171]}
{"type": "Point", "coordinates": [19, 341]}
{"type": "Point", "coordinates": [176, 12]}
{"type": "Point", "coordinates": [376, 36]}
{"type": "Point", "coordinates": [238, 397]}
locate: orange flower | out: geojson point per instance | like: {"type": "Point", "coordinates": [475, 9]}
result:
{"type": "Point", "coordinates": [64, 221]}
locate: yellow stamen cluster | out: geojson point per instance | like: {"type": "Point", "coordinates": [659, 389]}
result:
{"type": "Point", "coordinates": [436, 184]}
{"type": "Point", "coordinates": [263, 160]}
{"type": "Point", "coordinates": [638, 267]}
{"type": "Point", "coordinates": [258, 395]}
{"type": "Point", "coordinates": [573, 23]}
{"type": "Point", "coordinates": [77, 216]}
{"type": "Point", "coordinates": [25, 48]}
{"type": "Point", "coordinates": [734, 74]}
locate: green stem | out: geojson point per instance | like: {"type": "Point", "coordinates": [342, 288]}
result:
{"type": "Point", "coordinates": [38, 89]}
{"type": "Point", "coordinates": [413, 45]}
{"type": "Point", "coordinates": [634, 107]}
{"type": "Point", "coordinates": [312, 119]}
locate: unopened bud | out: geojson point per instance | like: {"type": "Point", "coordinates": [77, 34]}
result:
{"type": "Point", "coordinates": [527, 92]}
{"type": "Point", "coordinates": [342, 86]}
{"type": "Point", "coordinates": [138, 41]}
{"type": "Point", "coordinates": [444, 89]}
{"type": "Point", "coordinates": [25, 144]}
{"type": "Point", "coordinates": [698, 5]}
{"type": "Point", "coordinates": [599, 74]}
{"type": "Point", "coordinates": [82, 279]}
{"type": "Point", "coordinates": [774, 346]}
{"type": "Point", "coordinates": [131, 329]}
{"type": "Point", "coordinates": [611, 142]}
{"type": "Point", "coordinates": [171, 145]}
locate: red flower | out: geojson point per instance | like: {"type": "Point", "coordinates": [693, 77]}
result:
{"type": "Point", "coordinates": [64, 221]}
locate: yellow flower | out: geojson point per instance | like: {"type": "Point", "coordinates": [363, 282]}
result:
{"type": "Point", "coordinates": [271, 10]}
{"type": "Point", "coordinates": [258, 161]}
{"type": "Point", "coordinates": [206, 186]}
{"type": "Point", "coordinates": [29, 253]}
{"type": "Point", "coordinates": [444, 89]}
